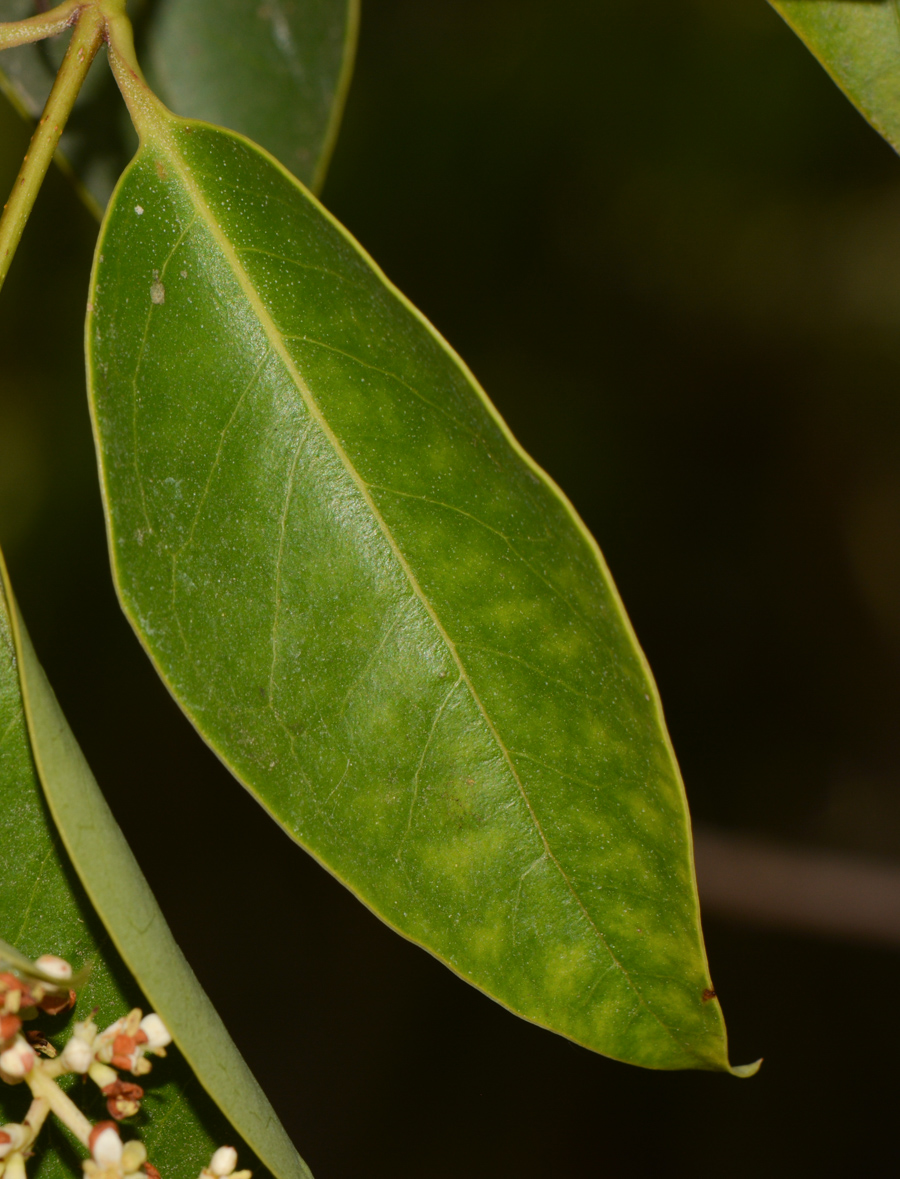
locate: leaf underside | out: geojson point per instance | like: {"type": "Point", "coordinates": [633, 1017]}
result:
{"type": "Point", "coordinates": [277, 71]}
{"type": "Point", "coordinates": [382, 616]}
{"type": "Point", "coordinates": [858, 43]}
{"type": "Point", "coordinates": [45, 908]}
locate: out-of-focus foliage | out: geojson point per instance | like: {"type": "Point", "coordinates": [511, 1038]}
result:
{"type": "Point", "coordinates": [204, 59]}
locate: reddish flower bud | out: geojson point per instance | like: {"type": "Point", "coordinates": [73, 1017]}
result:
{"type": "Point", "coordinates": [123, 1099]}
{"type": "Point", "coordinates": [26, 999]}
{"type": "Point", "coordinates": [9, 1025]}
{"type": "Point", "coordinates": [151, 1172]}
{"type": "Point", "coordinates": [124, 1047]}
{"type": "Point", "coordinates": [105, 1144]}
{"type": "Point", "coordinates": [53, 1003]}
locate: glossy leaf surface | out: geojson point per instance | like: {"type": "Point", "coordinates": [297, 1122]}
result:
{"type": "Point", "coordinates": [858, 43]}
{"type": "Point", "coordinates": [276, 71]}
{"type": "Point", "coordinates": [101, 914]}
{"type": "Point", "coordinates": [383, 617]}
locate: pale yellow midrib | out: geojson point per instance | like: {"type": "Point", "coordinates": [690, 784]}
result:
{"type": "Point", "coordinates": [275, 338]}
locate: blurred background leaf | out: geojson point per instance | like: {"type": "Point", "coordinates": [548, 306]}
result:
{"type": "Point", "coordinates": [668, 224]}
{"type": "Point", "coordinates": [277, 71]}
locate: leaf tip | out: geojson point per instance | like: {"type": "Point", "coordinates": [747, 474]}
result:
{"type": "Point", "coordinates": [746, 1070]}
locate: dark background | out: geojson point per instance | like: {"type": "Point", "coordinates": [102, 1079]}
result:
{"type": "Point", "coordinates": [671, 251]}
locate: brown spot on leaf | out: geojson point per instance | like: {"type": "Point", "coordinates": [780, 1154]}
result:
{"type": "Point", "coordinates": [708, 994]}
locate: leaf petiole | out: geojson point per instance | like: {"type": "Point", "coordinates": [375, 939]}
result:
{"type": "Point", "coordinates": [86, 40]}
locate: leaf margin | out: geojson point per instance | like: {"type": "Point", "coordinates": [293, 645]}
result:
{"type": "Point", "coordinates": [341, 91]}
{"type": "Point", "coordinates": [864, 94]}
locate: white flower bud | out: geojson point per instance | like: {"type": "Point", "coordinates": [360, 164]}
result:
{"type": "Point", "coordinates": [157, 1033]}
{"type": "Point", "coordinates": [134, 1155]}
{"type": "Point", "coordinates": [12, 1137]}
{"type": "Point", "coordinates": [223, 1162]}
{"type": "Point", "coordinates": [55, 967]}
{"type": "Point", "coordinates": [18, 1060]}
{"type": "Point", "coordinates": [77, 1056]}
{"type": "Point", "coordinates": [85, 1029]}
{"type": "Point", "coordinates": [102, 1075]}
{"type": "Point", "coordinates": [106, 1145]}
{"type": "Point", "coordinates": [113, 1030]}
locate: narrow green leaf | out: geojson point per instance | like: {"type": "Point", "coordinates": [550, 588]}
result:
{"type": "Point", "coordinates": [277, 71]}
{"type": "Point", "coordinates": [71, 886]}
{"type": "Point", "coordinates": [379, 612]}
{"type": "Point", "coordinates": [858, 43]}
{"type": "Point", "coordinates": [43, 909]}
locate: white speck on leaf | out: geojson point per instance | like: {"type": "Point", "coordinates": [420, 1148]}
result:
{"type": "Point", "coordinates": [138, 210]}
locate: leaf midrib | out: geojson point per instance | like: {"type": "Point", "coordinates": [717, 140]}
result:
{"type": "Point", "coordinates": [164, 140]}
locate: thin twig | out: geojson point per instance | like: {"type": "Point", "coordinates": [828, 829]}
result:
{"type": "Point", "coordinates": [822, 893]}
{"type": "Point", "coordinates": [86, 40]}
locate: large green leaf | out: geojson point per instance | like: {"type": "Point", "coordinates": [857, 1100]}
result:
{"type": "Point", "coordinates": [71, 886]}
{"type": "Point", "coordinates": [858, 43]}
{"type": "Point", "coordinates": [277, 71]}
{"type": "Point", "coordinates": [379, 612]}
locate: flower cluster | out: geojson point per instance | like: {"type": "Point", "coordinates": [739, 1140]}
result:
{"type": "Point", "coordinates": [24, 999]}
{"type": "Point", "coordinates": [124, 1046]}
